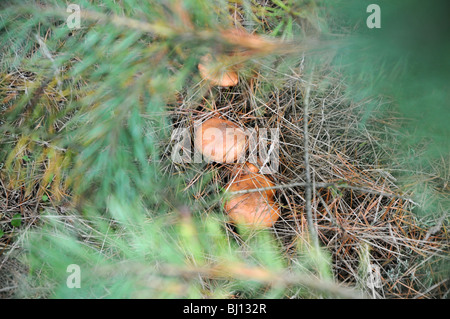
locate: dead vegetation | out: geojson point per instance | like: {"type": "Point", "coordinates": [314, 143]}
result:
{"type": "Point", "coordinates": [359, 212]}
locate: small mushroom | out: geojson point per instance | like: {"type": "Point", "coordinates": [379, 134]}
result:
{"type": "Point", "coordinates": [216, 73]}
{"type": "Point", "coordinates": [256, 208]}
{"type": "Point", "coordinates": [220, 140]}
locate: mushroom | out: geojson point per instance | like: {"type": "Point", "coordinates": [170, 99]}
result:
{"type": "Point", "coordinates": [220, 140]}
{"type": "Point", "coordinates": [256, 208]}
{"type": "Point", "coordinates": [217, 69]}
{"type": "Point", "coordinates": [252, 42]}
{"type": "Point", "coordinates": [215, 73]}
{"type": "Point", "coordinates": [244, 168]}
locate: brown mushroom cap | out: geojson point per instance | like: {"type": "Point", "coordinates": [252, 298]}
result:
{"type": "Point", "coordinates": [244, 168]}
{"type": "Point", "coordinates": [215, 74]}
{"type": "Point", "coordinates": [220, 140]}
{"type": "Point", "coordinates": [256, 208]}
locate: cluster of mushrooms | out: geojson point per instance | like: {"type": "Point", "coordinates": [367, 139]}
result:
{"type": "Point", "coordinates": [222, 141]}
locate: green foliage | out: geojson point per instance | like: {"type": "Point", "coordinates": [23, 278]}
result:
{"type": "Point", "coordinates": [171, 256]}
{"type": "Point", "coordinates": [406, 61]}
